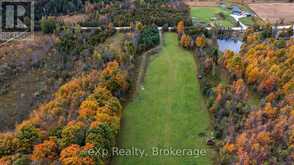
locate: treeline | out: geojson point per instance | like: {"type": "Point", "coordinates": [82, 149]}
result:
{"type": "Point", "coordinates": [140, 39]}
{"type": "Point", "coordinates": [148, 12]}
{"type": "Point", "coordinates": [145, 37]}
{"type": "Point", "coordinates": [246, 133]}
{"type": "Point", "coordinates": [57, 7]}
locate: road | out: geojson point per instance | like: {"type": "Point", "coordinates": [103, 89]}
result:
{"type": "Point", "coordinates": [125, 28]}
{"type": "Point", "coordinates": [237, 18]}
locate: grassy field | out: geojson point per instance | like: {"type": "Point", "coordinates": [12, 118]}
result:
{"type": "Point", "coordinates": [247, 21]}
{"type": "Point", "coordinates": [168, 112]}
{"type": "Point", "coordinates": [206, 14]}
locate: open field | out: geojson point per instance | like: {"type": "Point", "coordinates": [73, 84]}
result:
{"type": "Point", "coordinates": [247, 21]}
{"type": "Point", "coordinates": [206, 14]}
{"type": "Point", "coordinates": [260, 1]}
{"type": "Point", "coordinates": [274, 12]}
{"type": "Point", "coordinates": [201, 3]}
{"type": "Point", "coordinates": [72, 19]}
{"type": "Point", "coordinates": [169, 112]}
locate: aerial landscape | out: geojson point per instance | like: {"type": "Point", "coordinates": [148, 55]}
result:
{"type": "Point", "coordinates": [147, 82]}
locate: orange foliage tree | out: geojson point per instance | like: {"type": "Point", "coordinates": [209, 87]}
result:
{"type": "Point", "coordinates": [185, 41]}
{"type": "Point", "coordinates": [72, 155]}
{"type": "Point", "coordinates": [200, 41]}
{"type": "Point", "coordinates": [180, 27]}
{"type": "Point", "coordinates": [46, 150]}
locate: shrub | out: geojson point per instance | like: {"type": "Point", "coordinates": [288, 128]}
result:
{"type": "Point", "coordinates": [48, 25]}
{"type": "Point", "coordinates": [88, 109]}
{"type": "Point", "coordinates": [28, 135]}
{"type": "Point", "coordinates": [73, 155]}
{"type": "Point", "coordinates": [22, 160]}
{"type": "Point", "coordinates": [17, 159]}
{"type": "Point", "coordinates": [8, 144]}
{"type": "Point", "coordinates": [73, 133]}
{"type": "Point", "coordinates": [221, 15]}
{"type": "Point", "coordinates": [45, 150]}
{"type": "Point", "coordinates": [104, 98]}
{"type": "Point", "coordinates": [149, 38]}
{"type": "Point", "coordinates": [102, 137]}
{"type": "Point", "coordinates": [280, 44]}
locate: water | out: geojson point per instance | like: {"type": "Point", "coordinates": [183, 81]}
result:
{"type": "Point", "coordinates": [229, 44]}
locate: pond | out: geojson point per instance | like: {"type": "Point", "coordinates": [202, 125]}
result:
{"type": "Point", "coordinates": [229, 44]}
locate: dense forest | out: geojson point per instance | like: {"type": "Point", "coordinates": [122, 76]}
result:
{"type": "Point", "coordinates": [266, 134]}
{"type": "Point", "coordinates": [84, 78]}
{"type": "Point", "coordinates": [246, 133]}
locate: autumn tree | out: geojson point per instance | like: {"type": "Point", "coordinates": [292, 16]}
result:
{"type": "Point", "coordinates": [73, 133]}
{"type": "Point", "coordinates": [88, 109]}
{"type": "Point", "coordinates": [8, 144]}
{"type": "Point", "coordinates": [114, 78]}
{"type": "Point", "coordinates": [180, 28]}
{"type": "Point", "coordinates": [233, 62]}
{"type": "Point", "coordinates": [139, 26]}
{"type": "Point", "coordinates": [73, 155]}
{"type": "Point", "coordinates": [27, 135]}
{"type": "Point", "coordinates": [102, 137]}
{"type": "Point", "coordinates": [240, 89]}
{"type": "Point", "coordinates": [268, 84]}
{"type": "Point", "coordinates": [185, 41]}
{"type": "Point", "coordinates": [104, 97]}
{"type": "Point", "coordinates": [200, 41]}
{"type": "Point", "coordinates": [47, 150]}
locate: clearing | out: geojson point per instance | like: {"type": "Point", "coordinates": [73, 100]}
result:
{"type": "Point", "coordinates": [169, 111]}
{"type": "Point", "coordinates": [248, 21]}
{"type": "Point", "coordinates": [211, 14]}
{"type": "Point", "coordinates": [274, 12]}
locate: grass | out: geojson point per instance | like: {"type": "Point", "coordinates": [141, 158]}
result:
{"type": "Point", "coordinates": [205, 14]}
{"type": "Point", "coordinates": [169, 112]}
{"type": "Point", "coordinates": [247, 21]}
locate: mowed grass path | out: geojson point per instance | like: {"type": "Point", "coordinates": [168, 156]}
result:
{"type": "Point", "coordinates": [169, 112]}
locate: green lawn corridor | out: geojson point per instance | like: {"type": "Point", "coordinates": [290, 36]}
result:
{"type": "Point", "coordinates": [169, 112]}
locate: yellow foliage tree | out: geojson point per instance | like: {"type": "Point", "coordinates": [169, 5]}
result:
{"type": "Point", "coordinates": [45, 150]}
{"type": "Point", "coordinates": [71, 155]}
{"type": "Point", "coordinates": [181, 27]}
{"type": "Point", "coordinates": [200, 41]}
{"type": "Point", "coordinates": [185, 41]}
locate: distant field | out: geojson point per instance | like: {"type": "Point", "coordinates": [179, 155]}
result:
{"type": "Point", "coordinates": [72, 19]}
{"type": "Point", "coordinates": [205, 14]}
{"type": "Point", "coordinates": [274, 12]}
